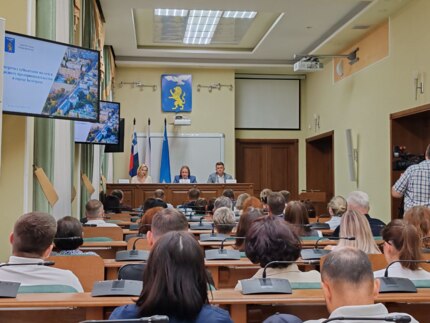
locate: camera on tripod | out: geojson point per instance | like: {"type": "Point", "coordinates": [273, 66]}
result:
{"type": "Point", "coordinates": [405, 159]}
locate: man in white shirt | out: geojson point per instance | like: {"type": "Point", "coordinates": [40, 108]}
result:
{"type": "Point", "coordinates": [349, 287]}
{"type": "Point", "coordinates": [31, 240]}
{"type": "Point", "coordinates": [94, 213]}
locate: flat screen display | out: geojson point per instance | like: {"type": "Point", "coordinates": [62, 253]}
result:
{"type": "Point", "coordinates": [106, 131]}
{"type": "Point", "coordinates": [119, 148]}
{"type": "Point", "coordinates": [50, 79]}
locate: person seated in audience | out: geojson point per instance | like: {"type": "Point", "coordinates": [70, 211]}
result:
{"type": "Point", "coordinates": [286, 195]}
{"type": "Point", "coordinates": [270, 238]}
{"type": "Point", "coordinates": [146, 221]}
{"type": "Point", "coordinates": [111, 204]}
{"type": "Point", "coordinates": [228, 192]}
{"type": "Point", "coordinates": [419, 217]}
{"type": "Point", "coordinates": [263, 197]}
{"type": "Point", "coordinates": [142, 176]}
{"type": "Point", "coordinates": [166, 220]}
{"type": "Point", "coordinates": [336, 207]}
{"type": "Point", "coordinates": [31, 240]}
{"type": "Point", "coordinates": [296, 214]}
{"type": "Point", "coordinates": [354, 224]}
{"type": "Point", "coordinates": [223, 201]}
{"type": "Point", "coordinates": [349, 287]}
{"type": "Point", "coordinates": [310, 208]}
{"type": "Point", "coordinates": [211, 205]}
{"type": "Point", "coordinates": [185, 176]}
{"type": "Point", "coordinates": [175, 284]}
{"type": "Point", "coordinates": [276, 204]}
{"type": "Point", "coordinates": [95, 213]}
{"type": "Point", "coordinates": [68, 238]}
{"type": "Point", "coordinates": [153, 202]}
{"type": "Point", "coordinates": [193, 196]}
{"type": "Point", "coordinates": [220, 176]}
{"type": "Point", "coordinates": [359, 201]}
{"type": "Point", "coordinates": [120, 195]}
{"type": "Point", "coordinates": [224, 220]}
{"type": "Point", "coordinates": [246, 218]}
{"type": "Point", "coordinates": [402, 242]}
{"type": "Point", "coordinates": [159, 194]}
{"type": "Point", "coordinates": [238, 207]}
{"type": "Point", "coordinates": [200, 206]}
{"type": "Point", "coordinates": [254, 202]}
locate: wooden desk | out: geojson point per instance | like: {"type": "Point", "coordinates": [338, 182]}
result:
{"type": "Point", "coordinates": [105, 249]}
{"type": "Point", "coordinates": [74, 307]}
{"type": "Point", "coordinates": [176, 194]}
{"type": "Point", "coordinates": [310, 304]}
{"type": "Point", "coordinates": [215, 244]}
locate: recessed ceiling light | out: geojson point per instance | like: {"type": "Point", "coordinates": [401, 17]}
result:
{"type": "Point", "coordinates": [171, 12]}
{"type": "Point", "coordinates": [239, 14]}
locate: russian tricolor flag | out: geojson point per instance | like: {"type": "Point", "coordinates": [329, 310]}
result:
{"type": "Point", "coordinates": [134, 155]}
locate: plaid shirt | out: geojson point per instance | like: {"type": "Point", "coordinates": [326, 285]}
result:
{"type": "Point", "coordinates": [414, 184]}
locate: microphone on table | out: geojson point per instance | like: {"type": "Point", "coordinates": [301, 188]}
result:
{"type": "Point", "coordinates": [398, 284]}
{"type": "Point", "coordinates": [391, 318]}
{"type": "Point", "coordinates": [315, 253]}
{"type": "Point", "coordinates": [133, 254]}
{"type": "Point", "coordinates": [270, 285]}
{"type": "Point", "coordinates": [202, 226]}
{"type": "Point", "coordinates": [212, 236]}
{"type": "Point", "coordinates": [223, 254]}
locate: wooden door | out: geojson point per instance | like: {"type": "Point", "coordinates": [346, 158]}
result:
{"type": "Point", "coordinates": [268, 164]}
{"type": "Point", "coordinates": [320, 167]}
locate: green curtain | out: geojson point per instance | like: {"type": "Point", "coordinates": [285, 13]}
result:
{"type": "Point", "coordinates": [43, 154]}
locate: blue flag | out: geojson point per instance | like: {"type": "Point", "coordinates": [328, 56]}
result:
{"type": "Point", "coordinates": [134, 156]}
{"type": "Point", "coordinates": [165, 159]}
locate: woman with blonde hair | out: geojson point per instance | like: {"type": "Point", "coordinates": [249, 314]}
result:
{"type": "Point", "coordinates": [142, 175]}
{"type": "Point", "coordinates": [354, 224]}
{"type": "Point", "coordinates": [336, 207]}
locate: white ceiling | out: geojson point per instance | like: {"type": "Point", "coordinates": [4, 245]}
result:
{"type": "Point", "coordinates": [302, 27]}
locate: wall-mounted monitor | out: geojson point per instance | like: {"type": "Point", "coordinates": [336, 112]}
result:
{"type": "Point", "coordinates": [49, 79]}
{"type": "Point", "coordinates": [119, 148]}
{"type": "Point", "coordinates": [106, 131]}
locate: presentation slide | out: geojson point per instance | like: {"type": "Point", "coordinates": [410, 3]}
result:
{"type": "Point", "coordinates": [104, 132]}
{"type": "Point", "coordinates": [50, 79]}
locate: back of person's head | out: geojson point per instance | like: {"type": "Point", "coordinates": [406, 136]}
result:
{"type": "Point", "coordinates": [228, 192]}
{"type": "Point", "coordinates": [168, 220]}
{"type": "Point", "coordinates": [193, 194]}
{"type": "Point", "coordinates": [245, 221]}
{"type": "Point", "coordinates": [69, 234]}
{"type": "Point", "coordinates": [200, 205]}
{"type": "Point", "coordinates": [175, 279]}
{"type": "Point", "coordinates": [348, 269]}
{"type": "Point", "coordinates": [337, 205]}
{"type": "Point", "coordinates": [211, 205]}
{"type": "Point", "coordinates": [358, 200]}
{"type": "Point", "coordinates": [419, 217]}
{"type": "Point", "coordinates": [286, 195]}
{"type": "Point", "coordinates": [270, 238]}
{"type": "Point", "coordinates": [405, 239]}
{"type": "Point", "coordinates": [224, 220]}
{"type": "Point", "coordinates": [240, 199]}
{"type": "Point", "coordinates": [33, 234]}
{"type": "Point", "coordinates": [428, 152]}
{"type": "Point", "coordinates": [94, 209]}
{"type": "Point", "coordinates": [252, 201]}
{"type": "Point", "coordinates": [111, 204]}
{"type": "Point", "coordinates": [264, 194]}
{"type": "Point", "coordinates": [146, 221]}
{"type": "Point", "coordinates": [223, 201]}
{"type": "Point", "coordinates": [159, 194]}
{"type": "Point", "coordinates": [119, 194]}
{"type": "Point", "coordinates": [276, 203]}
{"type": "Point", "coordinates": [354, 224]}
{"type": "Point", "coordinates": [153, 202]}
{"type": "Point", "coordinates": [296, 214]}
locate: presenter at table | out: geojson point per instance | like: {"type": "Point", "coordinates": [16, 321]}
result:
{"type": "Point", "coordinates": [219, 176]}
{"type": "Point", "coordinates": [185, 176]}
{"type": "Point", "coordinates": [142, 175]}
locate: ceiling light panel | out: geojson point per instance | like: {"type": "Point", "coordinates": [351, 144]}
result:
{"type": "Point", "coordinates": [171, 12]}
{"type": "Point", "coordinates": [239, 14]}
{"type": "Point", "coordinates": [201, 26]}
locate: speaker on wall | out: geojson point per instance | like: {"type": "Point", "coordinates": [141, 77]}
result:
{"type": "Point", "coordinates": [350, 155]}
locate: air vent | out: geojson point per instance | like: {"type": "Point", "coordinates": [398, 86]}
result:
{"type": "Point", "coordinates": [362, 27]}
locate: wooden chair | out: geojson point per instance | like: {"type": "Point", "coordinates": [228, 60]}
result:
{"type": "Point", "coordinates": [426, 256]}
{"type": "Point", "coordinates": [118, 216]}
{"type": "Point", "coordinates": [115, 233]}
{"type": "Point", "coordinates": [377, 261]}
{"type": "Point", "coordinates": [142, 244]}
{"type": "Point", "coordinates": [88, 269]}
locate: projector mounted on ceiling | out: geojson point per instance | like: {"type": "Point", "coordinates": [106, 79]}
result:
{"type": "Point", "coordinates": [311, 63]}
{"type": "Point", "coordinates": [305, 65]}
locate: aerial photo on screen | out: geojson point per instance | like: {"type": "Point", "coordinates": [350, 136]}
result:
{"type": "Point", "coordinates": [74, 92]}
{"type": "Point", "coordinates": [107, 130]}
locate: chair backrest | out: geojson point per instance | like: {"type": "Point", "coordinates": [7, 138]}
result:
{"type": "Point", "coordinates": [88, 269]}
{"type": "Point", "coordinates": [118, 216]}
{"type": "Point", "coordinates": [142, 244]}
{"type": "Point", "coordinates": [377, 261]}
{"type": "Point", "coordinates": [131, 272]}
{"type": "Point", "coordinates": [115, 233]}
{"type": "Point", "coordinates": [426, 256]}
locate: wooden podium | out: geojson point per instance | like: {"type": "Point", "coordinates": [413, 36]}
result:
{"type": "Point", "coordinates": [176, 194]}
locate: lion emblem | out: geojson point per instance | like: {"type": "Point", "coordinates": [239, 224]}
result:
{"type": "Point", "coordinates": [179, 98]}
